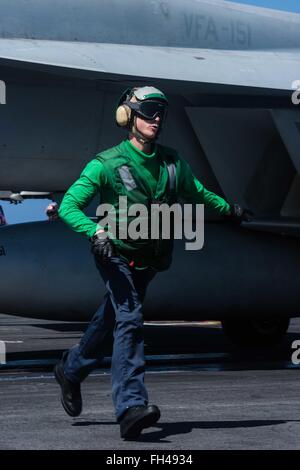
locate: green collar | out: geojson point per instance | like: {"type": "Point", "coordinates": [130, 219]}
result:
{"type": "Point", "coordinates": [135, 152]}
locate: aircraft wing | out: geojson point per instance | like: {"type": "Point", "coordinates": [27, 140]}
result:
{"type": "Point", "coordinates": [16, 198]}
{"type": "Point", "coordinates": [275, 69]}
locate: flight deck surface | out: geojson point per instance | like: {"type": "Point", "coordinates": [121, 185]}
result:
{"type": "Point", "coordinates": [211, 396]}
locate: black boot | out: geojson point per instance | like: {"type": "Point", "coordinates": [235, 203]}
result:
{"type": "Point", "coordinates": [136, 418]}
{"type": "Point", "coordinates": [70, 392]}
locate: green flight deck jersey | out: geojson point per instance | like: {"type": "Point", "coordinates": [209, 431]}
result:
{"type": "Point", "coordinates": [142, 178]}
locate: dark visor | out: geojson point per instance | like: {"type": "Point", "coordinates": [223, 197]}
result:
{"type": "Point", "coordinates": [150, 109]}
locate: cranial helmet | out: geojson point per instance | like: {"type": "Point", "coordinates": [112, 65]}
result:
{"type": "Point", "coordinates": [146, 102]}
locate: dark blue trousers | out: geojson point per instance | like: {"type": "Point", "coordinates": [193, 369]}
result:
{"type": "Point", "coordinates": [121, 312]}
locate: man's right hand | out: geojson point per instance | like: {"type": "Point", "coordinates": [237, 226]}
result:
{"type": "Point", "coordinates": [102, 247]}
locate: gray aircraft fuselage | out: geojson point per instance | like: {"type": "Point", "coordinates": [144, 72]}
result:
{"type": "Point", "coordinates": [241, 141]}
{"type": "Point", "coordinates": [212, 24]}
{"type": "Point", "coordinates": [44, 105]}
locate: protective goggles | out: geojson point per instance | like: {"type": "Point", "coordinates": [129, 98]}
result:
{"type": "Point", "coordinates": [149, 109]}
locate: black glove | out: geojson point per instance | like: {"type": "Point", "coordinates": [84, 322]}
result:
{"type": "Point", "coordinates": [102, 247]}
{"type": "Point", "coordinates": [239, 214]}
{"type": "Point", "coordinates": [52, 211]}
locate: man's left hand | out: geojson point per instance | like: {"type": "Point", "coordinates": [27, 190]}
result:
{"type": "Point", "coordinates": [240, 214]}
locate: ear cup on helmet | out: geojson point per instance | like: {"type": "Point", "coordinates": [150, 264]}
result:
{"type": "Point", "coordinates": [123, 115]}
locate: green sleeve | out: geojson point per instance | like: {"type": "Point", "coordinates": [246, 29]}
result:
{"type": "Point", "coordinates": [192, 191]}
{"type": "Point", "coordinates": [79, 195]}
